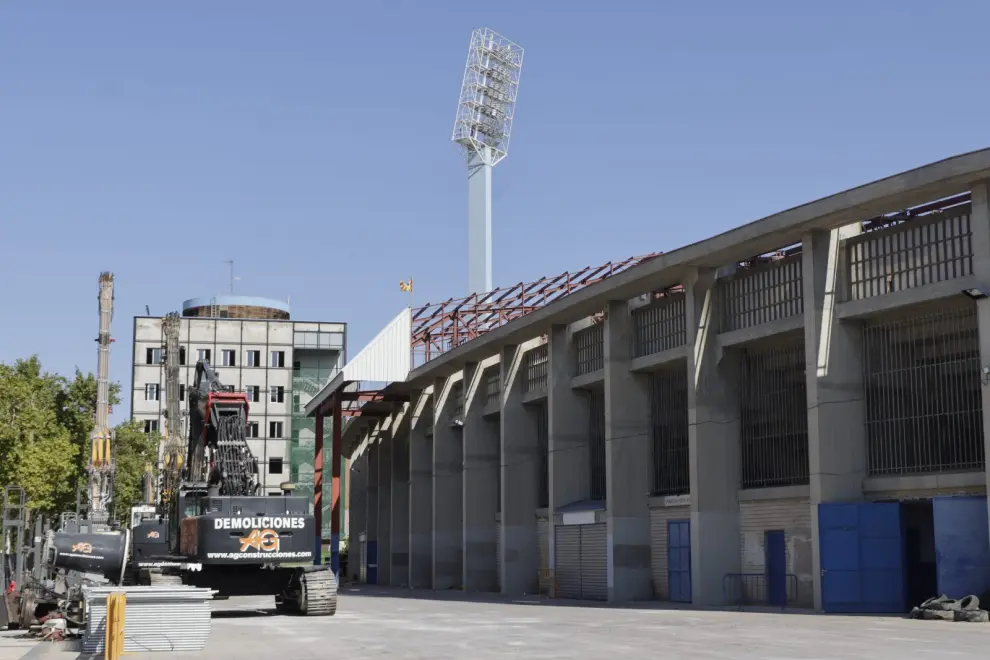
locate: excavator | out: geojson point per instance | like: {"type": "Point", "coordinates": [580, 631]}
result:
{"type": "Point", "coordinates": [214, 529]}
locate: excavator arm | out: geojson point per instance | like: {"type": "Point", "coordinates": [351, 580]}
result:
{"type": "Point", "coordinates": [218, 448]}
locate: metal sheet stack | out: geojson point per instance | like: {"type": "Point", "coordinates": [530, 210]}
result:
{"type": "Point", "coordinates": [163, 618]}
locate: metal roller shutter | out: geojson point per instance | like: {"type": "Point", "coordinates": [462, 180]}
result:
{"type": "Point", "coordinates": [659, 517]}
{"type": "Point", "coordinates": [543, 539]}
{"type": "Point", "coordinates": [594, 562]}
{"type": "Point", "coordinates": [498, 551]}
{"type": "Point", "coordinates": [568, 565]}
{"type": "Point", "coordinates": [793, 516]}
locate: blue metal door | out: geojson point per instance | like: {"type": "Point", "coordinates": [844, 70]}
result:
{"type": "Point", "coordinates": [775, 561]}
{"type": "Point", "coordinates": [861, 557]}
{"type": "Point", "coordinates": [372, 562]}
{"type": "Point", "coordinates": [679, 560]}
{"type": "Point", "coordinates": [962, 545]}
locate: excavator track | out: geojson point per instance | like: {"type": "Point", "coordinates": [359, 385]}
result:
{"type": "Point", "coordinates": [312, 593]}
{"type": "Point", "coordinates": [318, 593]}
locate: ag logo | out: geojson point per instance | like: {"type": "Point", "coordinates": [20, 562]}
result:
{"type": "Point", "coordinates": [85, 548]}
{"type": "Point", "coordinates": [153, 534]}
{"type": "Point", "coordinates": [266, 541]}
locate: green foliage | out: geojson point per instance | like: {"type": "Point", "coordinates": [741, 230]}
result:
{"type": "Point", "coordinates": [45, 424]}
{"type": "Point", "coordinates": [133, 450]}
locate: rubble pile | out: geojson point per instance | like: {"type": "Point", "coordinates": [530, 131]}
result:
{"type": "Point", "coordinates": [944, 608]}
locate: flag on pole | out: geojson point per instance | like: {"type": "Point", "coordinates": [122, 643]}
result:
{"type": "Point", "coordinates": [406, 286]}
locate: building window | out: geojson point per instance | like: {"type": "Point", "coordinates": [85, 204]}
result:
{"type": "Point", "coordinates": [252, 429]}
{"type": "Point", "coordinates": [227, 358]}
{"type": "Point", "coordinates": [182, 392]}
{"type": "Point", "coordinates": [297, 366]}
{"type": "Point", "coordinates": [254, 358]}
{"type": "Point", "coordinates": [182, 355]}
{"type": "Point", "coordinates": [296, 406]}
{"type": "Point", "coordinates": [152, 392]}
{"type": "Point", "coordinates": [274, 466]}
{"type": "Point", "coordinates": [153, 356]}
{"type": "Point", "coordinates": [203, 354]}
{"type": "Point", "coordinates": [253, 393]}
{"type": "Point", "coordinates": [278, 394]}
{"type": "Point", "coordinates": [278, 359]}
{"type": "Point", "coordinates": [151, 426]}
{"type": "Point", "coordinates": [274, 429]}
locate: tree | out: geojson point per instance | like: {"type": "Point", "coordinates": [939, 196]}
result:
{"type": "Point", "coordinates": [36, 451]}
{"type": "Point", "coordinates": [45, 426]}
{"type": "Point", "coordinates": [133, 450]}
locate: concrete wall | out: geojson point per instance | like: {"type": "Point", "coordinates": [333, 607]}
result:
{"type": "Point", "coordinates": [454, 473]}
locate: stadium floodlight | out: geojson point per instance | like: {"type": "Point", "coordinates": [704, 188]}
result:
{"type": "Point", "coordinates": [482, 129]}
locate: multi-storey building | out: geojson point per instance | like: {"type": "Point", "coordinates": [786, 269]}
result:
{"type": "Point", "coordinates": [256, 347]}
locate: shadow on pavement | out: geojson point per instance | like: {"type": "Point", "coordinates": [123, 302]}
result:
{"type": "Point", "coordinates": [243, 614]}
{"type": "Point", "coordinates": [455, 595]}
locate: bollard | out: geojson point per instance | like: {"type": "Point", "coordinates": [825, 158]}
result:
{"type": "Point", "coordinates": [114, 640]}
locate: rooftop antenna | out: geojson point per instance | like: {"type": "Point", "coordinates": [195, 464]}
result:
{"type": "Point", "coordinates": [230, 264]}
{"type": "Point", "coordinates": [485, 110]}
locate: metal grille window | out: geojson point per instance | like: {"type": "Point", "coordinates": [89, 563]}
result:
{"type": "Point", "coordinates": [669, 412]}
{"type": "Point", "coordinates": [493, 385]}
{"type": "Point", "coordinates": [597, 446]}
{"type": "Point", "coordinates": [457, 398]}
{"type": "Point", "coordinates": [543, 442]}
{"type": "Point", "coordinates": [774, 415]}
{"type": "Point", "coordinates": [496, 438]}
{"type": "Point", "coordinates": [909, 255]}
{"type": "Point", "coordinates": [761, 294]}
{"type": "Point", "coordinates": [923, 393]}
{"type": "Point", "coordinates": [537, 365]}
{"type": "Point", "coordinates": [589, 349]}
{"type": "Point", "coordinates": [659, 326]}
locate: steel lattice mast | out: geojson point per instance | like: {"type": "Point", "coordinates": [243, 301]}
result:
{"type": "Point", "coordinates": [174, 445]}
{"type": "Point", "coordinates": [101, 465]}
{"type": "Point", "coordinates": [482, 128]}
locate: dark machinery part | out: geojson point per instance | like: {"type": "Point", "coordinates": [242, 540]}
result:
{"type": "Point", "coordinates": [216, 530]}
{"type": "Point", "coordinates": [44, 571]}
{"type": "Point", "coordinates": [101, 553]}
{"type": "Point", "coordinates": [218, 447]}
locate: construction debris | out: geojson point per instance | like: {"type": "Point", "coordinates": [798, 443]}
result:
{"type": "Point", "coordinates": [944, 608]}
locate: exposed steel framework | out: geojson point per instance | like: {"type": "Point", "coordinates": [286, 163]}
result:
{"type": "Point", "coordinates": [440, 327]}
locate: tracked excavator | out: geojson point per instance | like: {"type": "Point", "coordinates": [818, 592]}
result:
{"type": "Point", "coordinates": [214, 529]}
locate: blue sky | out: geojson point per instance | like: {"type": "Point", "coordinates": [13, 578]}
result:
{"type": "Point", "coordinates": [309, 142]}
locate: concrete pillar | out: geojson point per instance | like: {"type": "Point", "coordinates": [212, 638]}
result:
{"type": "Point", "coordinates": [400, 519]}
{"type": "Point", "coordinates": [358, 512]}
{"type": "Point", "coordinates": [834, 373]}
{"type": "Point", "coordinates": [385, 503]}
{"type": "Point", "coordinates": [713, 437]}
{"type": "Point", "coordinates": [520, 470]}
{"type": "Point", "coordinates": [448, 484]}
{"type": "Point", "coordinates": [480, 489]}
{"type": "Point", "coordinates": [980, 228]}
{"type": "Point", "coordinates": [421, 493]}
{"type": "Point", "coordinates": [628, 442]}
{"type": "Point", "coordinates": [569, 437]}
{"type": "Point", "coordinates": [371, 504]}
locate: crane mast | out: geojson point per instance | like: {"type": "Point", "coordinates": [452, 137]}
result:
{"type": "Point", "coordinates": [101, 465]}
{"type": "Point", "coordinates": [175, 445]}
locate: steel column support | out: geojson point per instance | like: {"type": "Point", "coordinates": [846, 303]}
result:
{"type": "Point", "coordinates": [336, 510]}
{"type": "Point", "coordinates": [318, 490]}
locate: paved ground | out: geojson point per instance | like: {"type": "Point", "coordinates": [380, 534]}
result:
{"type": "Point", "coordinates": [379, 623]}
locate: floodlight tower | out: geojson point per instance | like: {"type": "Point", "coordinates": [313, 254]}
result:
{"type": "Point", "coordinates": [482, 127]}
